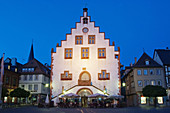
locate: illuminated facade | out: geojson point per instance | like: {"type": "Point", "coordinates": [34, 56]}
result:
{"type": "Point", "coordinates": [85, 63]}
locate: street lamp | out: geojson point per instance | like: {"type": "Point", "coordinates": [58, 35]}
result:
{"type": "Point", "coordinates": [123, 84]}
{"type": "Point", "coordinates": [46, 85]}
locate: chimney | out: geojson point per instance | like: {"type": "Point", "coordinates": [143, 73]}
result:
{"type": "Point", "coordinates": [135, 60]}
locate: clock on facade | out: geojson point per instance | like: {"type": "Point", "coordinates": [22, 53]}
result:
{"type": "Point", "coordinates": [85, 30]}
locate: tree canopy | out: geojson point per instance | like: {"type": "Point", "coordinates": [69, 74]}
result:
{"type": "Point", "coordinates": [154, 91]}
{"type": "Point", "coordinates": [18, 92]}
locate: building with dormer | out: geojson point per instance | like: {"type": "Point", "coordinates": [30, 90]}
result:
{"type": "Point", "coordinates": [35, 77]}
{"type": "Point", "coordinates": [85, 63]}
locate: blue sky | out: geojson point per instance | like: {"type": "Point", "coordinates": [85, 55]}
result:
{"type": "Point", "coordinates": [132, 24]}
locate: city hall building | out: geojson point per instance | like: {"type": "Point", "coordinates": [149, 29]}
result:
{"type": "Point", "coordinates": [85, 63]}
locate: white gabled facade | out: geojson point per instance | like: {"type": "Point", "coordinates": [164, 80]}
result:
{"type": "Point", "coordinates": [85, 72]}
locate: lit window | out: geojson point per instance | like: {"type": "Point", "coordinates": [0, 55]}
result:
{"type": "Point", "coordinates": [9, 67]}
{"type": "Point", "coordinates": [15, 69]}
{"type": "Point", "coordinates": [91, 39]}
{"type": "Point", "coordinates": [101, 52]}
{"type": "Point", "coordinates": [168, 68]}
{"type": "Point", "coordinates": [160, 100]}
{"type": "Point", "coordinates": [139, 72]}
{"type": "Point", "coordinates": [66, 76]}
{"type": "Point", "coordinates": [139, 83]}
{"type": "Point", "coordinates": [78, 40]}
{"type": "Point", "coordinates": [68, 53]}
{"type": "Point", "coordinates": [147, 62]}
{"type": "Point", "coordinates": [152, 82]}
{"type": "Point", "coordinates": [151, 71]}
{"type": "Point", "coordinates": [85, 53]}
{"type": "Point", "coordinates": [103, 75]}
{"type": "Point", "coordinates": [143, 100]}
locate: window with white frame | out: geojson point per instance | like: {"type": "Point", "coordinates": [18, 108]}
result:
{"type": "Point", "coordinates": [25, 77]}
{"type": "Point", "coordinates": [36, 77]}
{"type": "Point", "coordinates": [139, 72]}
{"type": "Point", "coordinates": [35, 87]}
{"type": "Point", "coordinates": [30, 87]}
{"type": "Point", "coordinates": [30, 77]}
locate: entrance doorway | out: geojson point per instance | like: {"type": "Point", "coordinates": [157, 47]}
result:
{"type": "Point", "coordinates": [84, 93]}
{"type": "Point", "coordinates": [84, 79]}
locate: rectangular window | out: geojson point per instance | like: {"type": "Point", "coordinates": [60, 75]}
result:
{"type": "Point", "coordinates": [159, 83]}
{"type": "Point", "coordinates": [145, 72]}
{"type": "Point", "coordinates": [68, 53]}
{"type": "Point", "coordinates": [85, 53]}
{"type": "Point", "coordinates": [25, 77]}
{"type": "Point", "coordinates": [160, 100]}
{"type": "Point", "coordinates": [35, 87]}
{"type": "Point", "coordinates": [30, 87]}
{"type": "Point", "coordinates": [101, 52]}
{"type": "Point", "coordinates": [158, 72]}
{"type": "Point", "coordinates": [104, 75]}
{"type": "Point", "coordinates": [152, 82]}
{"type": "Point", "coordinates": [36, 77]}
{"type": "Point", "coordinates": [151, 72]}
{"type": "Point", "coordinates": [7, 80]}
{"type": "Point", "coordinates": [44, 78]}
{"type": "Point", "coordinates": [14, 81]}
{"type": "Point", "coordinates": [66, 76]}
{"type": "Point", "coordinates": [139, 72]}
{"type": "Point", "coordinates": [91, 39]}
{"type": "Point", "coordinates": [78, 40]}
{"type": "Point", "coordinates": [30, 77]}
{"type": "Point", "coordinates": [168, 68]}
{"type": "Point", "coordinates": [139, 83]}
{"type": "Point", "coordinates": [146, 82]}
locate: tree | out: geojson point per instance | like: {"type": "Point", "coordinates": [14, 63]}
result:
{"type": "Point", "coordinates": [4, 92]}
{"type": "Point", "coordinates": [154, 91]}
{"type": "Point", "coordinates": [20, 93]}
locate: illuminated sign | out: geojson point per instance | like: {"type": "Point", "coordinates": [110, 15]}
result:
{"type": "Point", "coordinates": [160, 100]}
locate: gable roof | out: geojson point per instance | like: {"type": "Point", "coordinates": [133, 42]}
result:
{"type": "Point", "coordinates": [143, 58]}
{"type": "Point", "coordinates": [39, 68]}
{"type": "Point", "coordinates": [164, 55]}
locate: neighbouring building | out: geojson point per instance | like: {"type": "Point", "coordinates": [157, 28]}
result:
{"type": "Point", "coordinates": [144, 72]}
{"type": "Point", "coordinates": [12, 70]}
{"type": "Point", "coordinates": [85, 63]}
{"type": "Point", "coordinates": [162, 56]}
{"type": "Point", "coordinates": [35, 77]}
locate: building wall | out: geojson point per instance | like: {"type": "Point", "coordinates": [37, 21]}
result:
{"type": "Point", "coordinates": [149, 77]}
{"type": "Point", "coordinates": [93, 65]}
{"type": "Point", "coordinates": [40, 82]}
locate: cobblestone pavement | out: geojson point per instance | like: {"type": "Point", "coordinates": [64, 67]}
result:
{"type": "Point", "coordinates": [30, 109]}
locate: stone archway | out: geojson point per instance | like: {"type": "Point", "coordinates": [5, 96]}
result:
{"type": "Point", "coordinates": [84, 79]}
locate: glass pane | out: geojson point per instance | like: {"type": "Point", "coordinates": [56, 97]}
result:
{"type": "Point", "coordinates": [70, 55]}
{"type": "Point", "coordinates": [86, 50]}
{"type": "Point", "coordinates": [83, 54]}
{"type": "Point", "coordinates": [83, 50]}
{"type": "Point", "coordinates": [66, 55]}
{"type": "Point", "coordinates": [80, 42]}
{"type": "Point", "coordinates": [103, 54]}
{"type": "Point", "coordinates": [100, 54]}
{"type": "Point", "coordinates": [92, 41]}
{"type": "Point", "coordinates": [99, 50]}
{"type": "Point", "coordinates": [89, 41]}
{"type": "Point", "coordinates": [86, 54]}
{"type": "Point", "coordinates": [107, 76]}
{"type": "Point", "coordinates": [102, 49]}
{"type": "Point", "coordinates": [66, 74]}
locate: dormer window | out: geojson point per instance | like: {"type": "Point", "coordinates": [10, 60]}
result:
{"type": "Point", "coordinates": [147, 62]}
{"type": "Point", "coordinates": [85, 20]}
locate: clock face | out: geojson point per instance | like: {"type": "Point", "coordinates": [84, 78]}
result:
{"type": "Point", "coordinates": [85, 30]}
